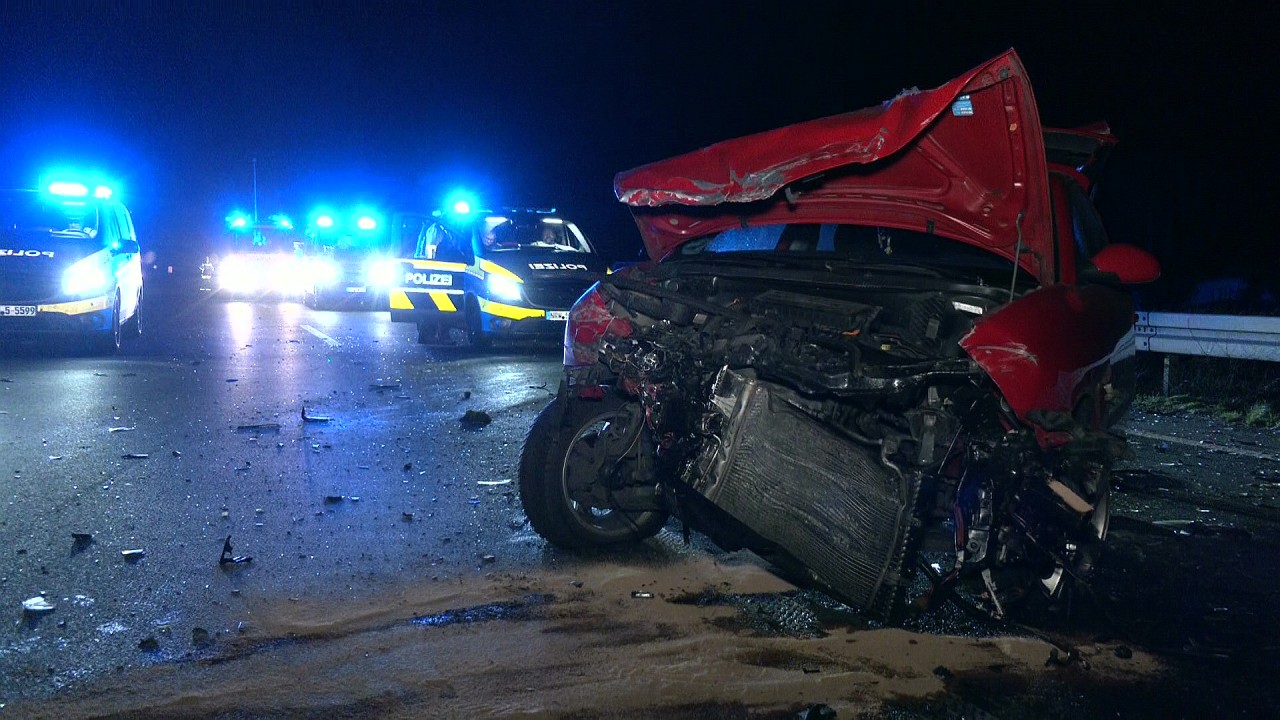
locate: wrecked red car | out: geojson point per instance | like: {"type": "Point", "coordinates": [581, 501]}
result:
{"type": "Point", "coordinates": [859, 336]}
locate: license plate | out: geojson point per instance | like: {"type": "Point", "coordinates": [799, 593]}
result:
{"type": "Point", "coordinates": [18, 310]}
{"type": "Point", "coordinates": [557, 314]}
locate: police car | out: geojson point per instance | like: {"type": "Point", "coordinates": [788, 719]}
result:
{"type": "Point", "coordinates": [70, 265]}
{"type": "Point", "coordinates": [258, 260]}
{"type": "Point", "coordinates": [346, 259]}
{"type": "Point", "coordinates": [508, 274]}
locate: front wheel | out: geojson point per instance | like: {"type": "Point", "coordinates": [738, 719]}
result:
{"type": "Point", "coordinates": [578, 475]}
{"type": "Point", "coordinates": [107, 342]}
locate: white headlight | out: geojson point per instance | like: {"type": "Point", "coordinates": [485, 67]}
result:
{"type": "Point", "coordinates": [86, 277]}
{"type": "Point", "coordinates": [382, 273]}
{"type": "Point", "coordinates": [324, 272]}
{"type": "Point", "coordinates": [504, 288]}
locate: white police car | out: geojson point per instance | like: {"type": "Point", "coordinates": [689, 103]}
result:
{"type": "Point", "coordinates": [69, 265]}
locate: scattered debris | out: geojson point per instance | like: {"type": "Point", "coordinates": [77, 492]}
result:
{"type": "Point", "coordinates": [488, 558]}
{"type": "Point", "coordinates": [259, 427]}
{"type": "Point", "coordinates": [333, 499]}
{"type": "Point", "coordinates": [244, 468]}
{"type": "Point", "coordinates": [133, 555]}
{"type": "Point", "coordinates": [134, 456]}
{"type": "Point", "coordinates": [228, 559]}
{"type": "Point", "coordinates": [122, 429]}
{"type": "Point", "coordinates": [177, 453]}
{"type": "Point", "coordinates": [576, 583]}
{"type": "Point", "coordinates": [476, 418]}
{"type": "Point", "coordinates": [233, 379]}
{"type": "Point", "coordinates": [474, 499]}
{"type": "Point", "coordinates": [314, 418]}
{"type": "Point", "coordinates": [406, 516]}
{"type": "Point", "coordinates": [384, 386]}
{"type": "Point", "coordinates": [466, 394]}
{"type": "Point", "coordinates": [491, 483]}
{"type": "Point", "coordinates": [80, 541]}
{"type": "Point", "coordinates": [54, 457]}
{"type": "Point", "coordinates": [1198, 528]}
{"type": "Point", "coordinates": [408, 466]}
{"type": "Point", "coordinates": [819, 711]}
{"type": "Point", "coordinates": [37, 605]}
{"type": "Point", "coordinates": [149, 644]}
{"type": "Point", "coordinates": [642, 594]}
{"type": "Point", "coordinates": [199, 636]}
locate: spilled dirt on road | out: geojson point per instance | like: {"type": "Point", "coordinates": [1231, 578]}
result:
{"type": "Point", "coordinates": [614, 639]}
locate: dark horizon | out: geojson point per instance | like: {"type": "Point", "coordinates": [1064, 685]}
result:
{"type": "Point", "coordinates": [541, 104]}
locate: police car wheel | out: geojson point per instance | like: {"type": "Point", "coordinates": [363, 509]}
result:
{"type": "Point", "coordinates": [107, 342]}
{"type": "Point", "coordinates": [566, 447]}
{"type": "Point", "coordinates": [135, 322]}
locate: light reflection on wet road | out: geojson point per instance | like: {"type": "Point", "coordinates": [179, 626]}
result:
{"type": "Point", "coordinates": [386, 489]}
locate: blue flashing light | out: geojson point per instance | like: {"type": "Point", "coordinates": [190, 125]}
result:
{"type": "Point", "coordinates": [238, 221]}
{"type": "Point", "coordinates": [461, 207]}
{"type": "Point", "coordinates": [460, 204]}
{"type": "Point", "coordinates": [324, 221]}
{"type": "Point", "coordinates": [102, 192]}
{"type": "Point", "coordinates": [366, 222]}
{"type": "Point", "coordinates": [68, 189]}
{"type": "Point", "coordinates": [282, 221]}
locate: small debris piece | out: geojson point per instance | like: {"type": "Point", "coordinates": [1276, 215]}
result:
{"type": "Point", "coordinates": [199, 636]}
{"type": "Point", "coordinates": [943, 672]}
{"type": "Point", "coordinates": [314, 418]}
{"type": "Point", "coordinates": [177, 453]}
{"type": "Point", "coordinates": [259, 427]}
{"type": "Point", "coordinates": [491, 483]}
{"type": "Point", "coordinates": [1123, 652]}
{"type": "Point", "coordinates": [134, 456]}
{"type": "Point", "coordinates": [488, 558]}
{"type": "Point", "coordinates": [54, 457]}
{"type": "Point", "coordinates": [476, 418]}
{"type": "Point", "coordinates": [810, 670]}
{"type": "Point", "coordinates": [466, 394]}
{"type": "Point", "coordinates": [149, 643]}
{"type": "Point", "coordinates": [406, 516]}
{"type": "Point", "coordinates": [819, 711]}
{"type": "Point", "coordinates": [133, 555]}
{"type": "Point", "coordinates": [79, 541]}
{"type": "Point", "coordinates": [408, 466]}
{"type": "Point", "coordinates": [333, 499]}
{"type": "Point", "coordinates": [384, 386]}
{"type": "Point", "coordinates": [474, 500]}
{"type": "Point", "coordinates": [576, 583]}
{"type": "Point", "coordinates": [233, 379]}
{"type": "Point", "coordinates": [642, 594]}
{"type": "Point", "coordinates": [228, 559]}
{"type": "Point", "coordinates": [37, 605]}
{"type": "Point", "coordinates": [122, 429]}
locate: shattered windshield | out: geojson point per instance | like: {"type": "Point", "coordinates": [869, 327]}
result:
{"type": "Point", "coordinates": [26, 214]}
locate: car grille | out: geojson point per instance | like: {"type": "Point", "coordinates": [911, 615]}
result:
{"type": "Point", "coordinates": [27, 286]}
{"type": "Point", "coordinates": [555, 294]}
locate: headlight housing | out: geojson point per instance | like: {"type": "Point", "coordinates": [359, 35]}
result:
{"type": "Point", "coordinates": [503, 288]}
{"type": "Point", "coordinates": [86, 277]}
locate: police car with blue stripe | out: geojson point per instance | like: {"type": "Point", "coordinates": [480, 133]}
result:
{"type": "Point", "coordinates": [70, 265]}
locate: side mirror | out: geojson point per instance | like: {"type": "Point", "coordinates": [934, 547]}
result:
{"type": "Point", "coordinates": [1122, 264]}
{"type": "Point", "coordinates": [126, 246]}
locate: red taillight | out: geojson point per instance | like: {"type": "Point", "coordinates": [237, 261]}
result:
{"type": "Point", "coordinates": [590, 320]}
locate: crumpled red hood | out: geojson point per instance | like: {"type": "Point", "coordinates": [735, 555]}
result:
{"type": "Point", "coordinates": [965, 160]}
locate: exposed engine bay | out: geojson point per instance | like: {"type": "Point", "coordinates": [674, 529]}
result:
{"type": "Point", "coordinates": [838, 429]}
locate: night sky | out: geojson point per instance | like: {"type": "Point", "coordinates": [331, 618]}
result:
{"type": "Point", "coordinates": [540, 103]}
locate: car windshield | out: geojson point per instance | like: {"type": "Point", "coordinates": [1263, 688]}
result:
{"type": "Point", "coordinates": [29, 214]}
{"type": "Point", "coordinates": [265, 238]}
{"type": "Point", "coordinates": [856, 244]}
{"type": "Point", "coordinates": [501, 233]}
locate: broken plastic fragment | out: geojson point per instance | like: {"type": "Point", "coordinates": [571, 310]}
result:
{"type": "Point", "coordinates": [133, 555]}
{"type": "Point", "coordinates": [333, 499]}
{"type": "Point", "coordinates": [258, 427]}
{"type": "Point", "coordinates": [37, 605]}
{"type": "Point", "coordinates": [228, 559]}
{"type": "Point", "coordinates": [491, 483]}
{"type": "Point", "coordinates": [134, 456]}
{"type": "Point", "coordinates": [314, 418]}
{"type": "Point", "coordinates": [641, 594]}
{"type": "Point", "coordinates": [122, 429]}
{"type": "Point", "coordinates": [488, 558]}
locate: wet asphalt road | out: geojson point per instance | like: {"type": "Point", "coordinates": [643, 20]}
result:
{"type": "Point", "coordinates": [392, 487]}
{"type": "Point", "coordinates": [152, 451]}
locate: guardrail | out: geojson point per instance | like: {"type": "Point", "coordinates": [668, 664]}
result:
{"type": "Point", "coordinates": [1242, 337]}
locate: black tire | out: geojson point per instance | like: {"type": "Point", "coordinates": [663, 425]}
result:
{"type": "Point", "coordinates": [135, 322]}
{"type": "Point", "coordinates": [108, 342]}
{"type": "Point", "coordinates": [559, 436]}
{"type": "Point", "coordinates": [431, 332]}
{"type": "Point", "coordinates": [476, 336]}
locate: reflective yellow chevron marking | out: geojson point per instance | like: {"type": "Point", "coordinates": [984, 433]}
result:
{"type": "Point", "coordinates": [443, 302]}
{"type": "Point", "coordinates": [78, 307]}
{"type": "Point", "coordinates": [400, 301]}
{"type": "Point", "coordinates": [508, 311]}
{"type": "Point", "coordinates": [496, 269]}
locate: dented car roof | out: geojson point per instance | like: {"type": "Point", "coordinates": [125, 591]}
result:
{"type": "Point", "coordinates": [965, 160]}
